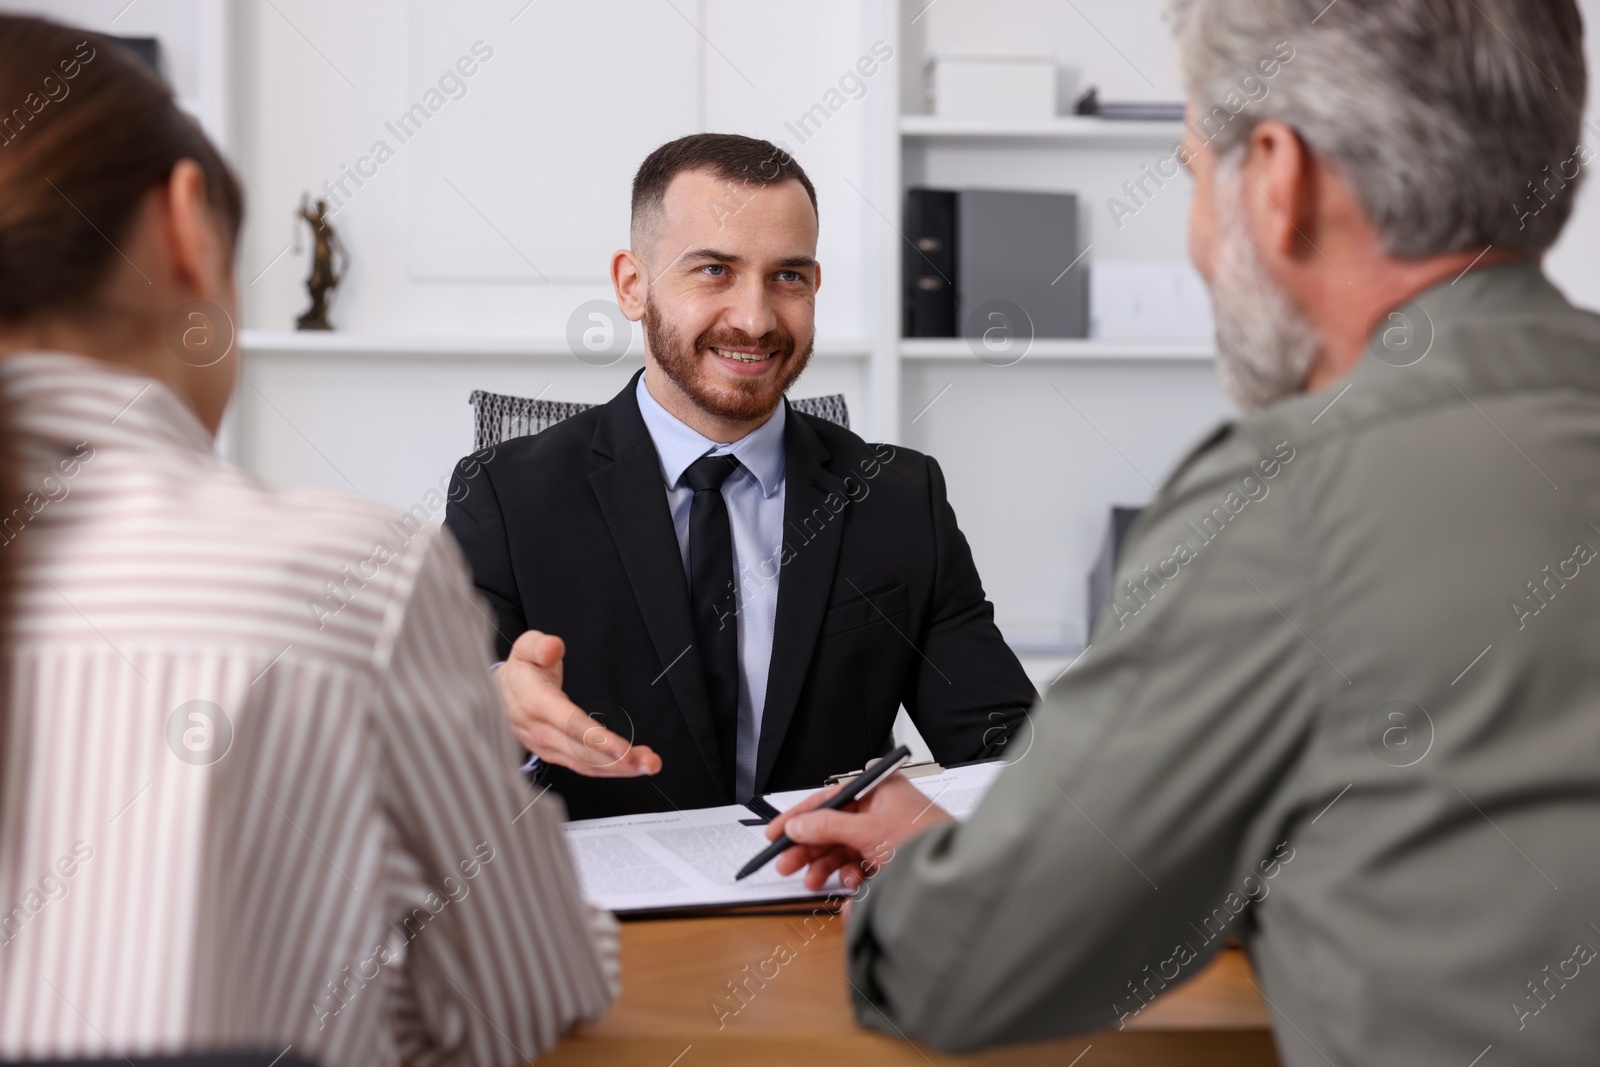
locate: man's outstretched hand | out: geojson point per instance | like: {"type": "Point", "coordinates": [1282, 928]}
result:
{"type": "Point", "coordinates": [551, 726]}
{"type": "Point", "coordinates": [856, 840]}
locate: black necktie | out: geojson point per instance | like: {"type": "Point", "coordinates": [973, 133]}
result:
{"type": "Point", "coordinates": [712, 602]}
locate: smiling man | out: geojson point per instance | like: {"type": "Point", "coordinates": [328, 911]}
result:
{"type": "Point", "coordinates": [744, 594]}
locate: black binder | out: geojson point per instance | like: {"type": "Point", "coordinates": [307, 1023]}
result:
{"type": "Point", "coordinates": [930, 263]}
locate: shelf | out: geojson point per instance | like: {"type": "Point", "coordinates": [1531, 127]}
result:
{"type": "Point", "coordinates": [1064, 128]}
{"type": "Point", "coordinates": [337, 343]}
{"type": "Point", "coordinates": [1067, 350]}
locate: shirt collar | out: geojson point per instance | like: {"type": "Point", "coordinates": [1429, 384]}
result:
{"type": "Point", "coordinates": [58, 395]}
{"type": "Point", "coordinates": [760, 451]}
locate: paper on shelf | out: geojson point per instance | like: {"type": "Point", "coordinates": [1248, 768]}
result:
{"type": "Point", "coordinates": [687, 859]}
{"type": "Point", "coordinates": [1135, 300]}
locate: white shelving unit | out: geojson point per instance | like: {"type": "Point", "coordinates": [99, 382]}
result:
{"type": "Point", "coordinates": [1036, 450]}
{"type": "Point", "coordinates": [1085, 155]}
{"type": "Point", "coordinates": [1066, 350]}
{"type": "Point", "coordinates": [1064, 128]}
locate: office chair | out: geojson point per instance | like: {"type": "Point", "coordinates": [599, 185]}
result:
{"type": "Point", "coordinates": [498, 417]}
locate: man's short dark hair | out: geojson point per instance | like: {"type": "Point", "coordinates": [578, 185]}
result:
{"type": "Point", "coordinates": [729, 156]}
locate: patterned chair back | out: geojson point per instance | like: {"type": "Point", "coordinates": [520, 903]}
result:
{"type": "Point", "coordinates": [498, 417]}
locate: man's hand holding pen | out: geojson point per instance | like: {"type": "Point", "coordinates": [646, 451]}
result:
{"type": "Point", "coordinates": [858, 840]}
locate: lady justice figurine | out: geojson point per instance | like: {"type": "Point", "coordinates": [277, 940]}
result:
{"type": "Point", "coordinates": [325, 272]}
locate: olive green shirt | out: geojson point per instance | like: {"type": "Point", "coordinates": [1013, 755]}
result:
{"type": "Point", "coordinates": [1345, 706]}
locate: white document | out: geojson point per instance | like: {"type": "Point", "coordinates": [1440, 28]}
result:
{"type": "Point", "coordinates": [687, 859]}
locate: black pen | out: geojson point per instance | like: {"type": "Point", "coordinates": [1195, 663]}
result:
{"type": "Point", "coordinates": [858, 788]}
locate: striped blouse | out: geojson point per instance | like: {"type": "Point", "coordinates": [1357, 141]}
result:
{"type": "Point", "coordinates": [257, 790]}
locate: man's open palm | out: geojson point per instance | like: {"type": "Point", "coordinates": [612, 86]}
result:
{"type": "Point", "coordinates": [551, 726]}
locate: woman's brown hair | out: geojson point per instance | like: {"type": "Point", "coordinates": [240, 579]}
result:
{"type": "Point", "coordinates": [86, 130]}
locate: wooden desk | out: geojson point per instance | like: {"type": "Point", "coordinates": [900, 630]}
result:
{"type": "Point", "coordinates": [674, 972]}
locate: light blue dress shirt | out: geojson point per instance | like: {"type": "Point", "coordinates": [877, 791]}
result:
{"type": "Point", "coordinates": [754, 496]}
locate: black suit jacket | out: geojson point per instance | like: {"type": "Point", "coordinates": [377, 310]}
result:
{"type": "Point", "coordinates": [879, 604]}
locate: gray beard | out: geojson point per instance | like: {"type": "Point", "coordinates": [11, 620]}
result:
{"type": "Point", "coordinates": [1265, 346]}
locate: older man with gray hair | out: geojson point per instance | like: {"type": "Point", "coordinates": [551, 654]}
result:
{"type": "Point", "coordinates": [1345, 705]}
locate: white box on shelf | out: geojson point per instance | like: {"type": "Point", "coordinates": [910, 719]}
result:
{"type": "Point", "coordinates": [1155, 300]}
{"type": "Point", "coordinates": [1002, 87]}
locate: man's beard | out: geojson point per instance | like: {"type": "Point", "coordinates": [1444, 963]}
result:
{"type": "Point", "coordinates": [737, 400]}
{"type": "Point", "coordinates": [1265, 346]}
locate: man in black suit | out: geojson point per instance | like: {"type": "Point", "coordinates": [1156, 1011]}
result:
{"type": "Point", "coordinates": [745, 595]}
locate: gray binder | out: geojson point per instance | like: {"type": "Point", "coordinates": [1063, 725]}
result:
{"type": "Point", "coordinates": [1105, 564]}
{"type": "Point", "coordinates": [1014, 248]}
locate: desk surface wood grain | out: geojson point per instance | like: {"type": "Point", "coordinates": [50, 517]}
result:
{"type": "Point", "coordinates": [689, 1001]}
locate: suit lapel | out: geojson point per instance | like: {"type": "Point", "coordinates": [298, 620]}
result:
{"type": "Point", "coordinates": [627, 483]}
{"type": "Point", "coordinates": [804, 582]}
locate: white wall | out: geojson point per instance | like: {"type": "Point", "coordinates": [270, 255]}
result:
{"type": "Point", "coordinates": [473, 245]}
{"type": "Point", "coordinates": [1574, 263]}
{"type": "Point", "coordinates": [500, 216]}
